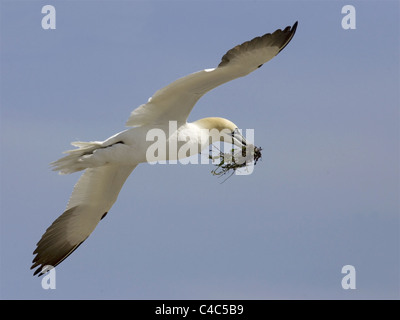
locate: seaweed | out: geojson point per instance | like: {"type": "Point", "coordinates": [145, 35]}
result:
{"type": "Point", "coordinates": [230, 162]}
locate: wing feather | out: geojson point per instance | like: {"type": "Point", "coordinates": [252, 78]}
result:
{"type": "Point", "coordinates": [92, 197]}
{"type": "Point", "coordinates": [176, 101]}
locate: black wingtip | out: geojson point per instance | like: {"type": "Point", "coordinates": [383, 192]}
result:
{"type": "Point", "coordinates": [44, 267]}
{"type": "Point", "coordinates": [294, 27]}
{"type": "Point", "coordinates": [292, 31]}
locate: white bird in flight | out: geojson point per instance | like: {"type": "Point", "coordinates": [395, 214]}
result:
{"type": "Point", "coordinates": [108, 164]}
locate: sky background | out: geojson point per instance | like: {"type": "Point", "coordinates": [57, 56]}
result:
{"type": "Point", "coordinates": [325, 111]}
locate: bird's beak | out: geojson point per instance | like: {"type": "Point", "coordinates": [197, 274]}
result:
{"type": "Point", "coordinates": [238, 139]}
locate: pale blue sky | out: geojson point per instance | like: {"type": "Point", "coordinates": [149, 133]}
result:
{"type": "Point", "coordinates": [325, 111]}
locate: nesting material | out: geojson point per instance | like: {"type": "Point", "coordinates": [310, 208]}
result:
{"type": "Point", "coordinates": [230, 162]}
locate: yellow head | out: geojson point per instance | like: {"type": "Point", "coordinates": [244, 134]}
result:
{"type": "Point", "coordinates": [222, 130]}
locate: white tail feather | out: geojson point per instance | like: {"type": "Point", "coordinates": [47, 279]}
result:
{"type": "Point", "coordinates": [75, 160]}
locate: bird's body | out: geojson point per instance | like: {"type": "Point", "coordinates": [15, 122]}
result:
{"type": "Point", "coordinates": [108, 163]}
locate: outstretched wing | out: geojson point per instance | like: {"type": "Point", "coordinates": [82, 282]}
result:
{"type": "Point", "coordinates": [176, 101]}
{"type": "Point", "coordinates": [92, 197]}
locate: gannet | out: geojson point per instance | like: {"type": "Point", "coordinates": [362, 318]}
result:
{"type": "Point", "coordinates": [107, 164]}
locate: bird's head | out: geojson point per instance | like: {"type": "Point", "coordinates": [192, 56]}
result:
{"type": "Point", "coordinates": [221, 129]}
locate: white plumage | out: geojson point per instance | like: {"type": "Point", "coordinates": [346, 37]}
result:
{"type": "Point", "coordinates": [108, 163]}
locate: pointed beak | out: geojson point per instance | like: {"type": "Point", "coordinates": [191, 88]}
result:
{"type": "Point", "coordinates": [238, 139]}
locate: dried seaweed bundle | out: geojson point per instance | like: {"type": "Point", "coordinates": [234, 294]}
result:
{"type": "Point", "coordinates": [230, 162]}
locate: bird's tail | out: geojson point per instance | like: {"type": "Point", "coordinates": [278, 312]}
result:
{"type": "Point", "coordinates": [75, 160]}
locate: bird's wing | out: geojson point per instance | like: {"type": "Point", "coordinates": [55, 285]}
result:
{"type": "Point", "coordinates": [175, 101]}
{"type": "Point", "coordinates": [92, 197]}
